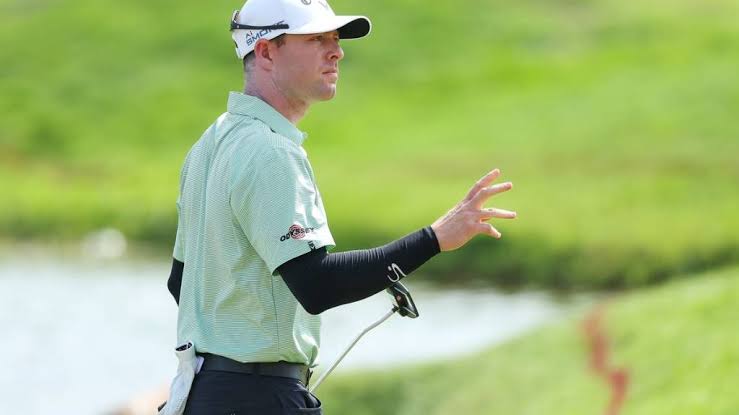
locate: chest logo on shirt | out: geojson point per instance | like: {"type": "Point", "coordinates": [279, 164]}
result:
{"type": "Point", "coordinates": [296, 232]}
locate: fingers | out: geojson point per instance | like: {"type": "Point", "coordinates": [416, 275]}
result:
{"type": "Point", "coordinates": [484, 194]}
{"type": "Point", "coordinates": [488, 229]}
{"type": "Point", "coordinates": [476, 197]}
{"type": "Point", "coordinates": [490, 213]}
{"type": "Point", "coordinates": [482, 183]}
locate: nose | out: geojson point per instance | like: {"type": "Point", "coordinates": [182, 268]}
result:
{"type": "Point", "coordinates": [337, 53]}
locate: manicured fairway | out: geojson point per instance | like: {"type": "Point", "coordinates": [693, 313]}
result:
{"type": "Point", "coordinates": [615, 120]}
{"type": "Point", "coordinates": [678, 342]}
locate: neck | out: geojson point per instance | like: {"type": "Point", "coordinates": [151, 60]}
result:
{"type": "Point", "coordinates": [291, 108]}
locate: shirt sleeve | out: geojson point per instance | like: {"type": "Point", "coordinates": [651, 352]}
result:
{"type": "Point", "coordinates": [279, 208]}
{"type": "Point", "coordinates": [179, 242]}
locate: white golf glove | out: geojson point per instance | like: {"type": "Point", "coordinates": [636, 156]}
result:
{"type": "Point", "coordinates": [189, 365]}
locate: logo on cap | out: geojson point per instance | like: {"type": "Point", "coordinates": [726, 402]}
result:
{"type": "Point", "coordinates": [252, 36]}
{"type": "Point", "coordinates": [306, 2]}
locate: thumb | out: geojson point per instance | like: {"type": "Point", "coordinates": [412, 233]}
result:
{"type": "Point", "coordinates": [488, 229]}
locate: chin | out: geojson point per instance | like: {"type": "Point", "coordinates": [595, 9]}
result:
{"type": "Point", "coordinates": [327, 94]}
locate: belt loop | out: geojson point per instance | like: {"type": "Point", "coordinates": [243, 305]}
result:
{"type": "Point", "coordinates": [308, 375]}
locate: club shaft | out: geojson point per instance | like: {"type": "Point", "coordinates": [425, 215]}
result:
{"type": "Point", "coordinates": [356, 339]}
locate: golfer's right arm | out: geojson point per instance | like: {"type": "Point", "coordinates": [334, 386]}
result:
{"type": "Point", "coordinates": [320, 280]}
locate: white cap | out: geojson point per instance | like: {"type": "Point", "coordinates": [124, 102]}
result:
{"type": "Point", "coordinates": [267, 19]}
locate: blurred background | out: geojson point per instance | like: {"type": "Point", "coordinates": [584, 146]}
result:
{"type": "Point", "coordinates": [616, 121]}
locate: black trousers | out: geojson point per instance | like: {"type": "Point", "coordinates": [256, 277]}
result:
{"type": "Point", "coordinates": [226, 393]}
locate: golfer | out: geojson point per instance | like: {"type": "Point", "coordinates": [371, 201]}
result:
{"type": "Point", "coordinates": [252, 270]}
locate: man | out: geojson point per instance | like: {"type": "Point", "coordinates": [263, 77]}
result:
{"type": "Point", "coordinates": [251, 267]}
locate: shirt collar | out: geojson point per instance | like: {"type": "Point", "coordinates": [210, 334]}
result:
{"type": "Point", "coordinates": [254, 107]}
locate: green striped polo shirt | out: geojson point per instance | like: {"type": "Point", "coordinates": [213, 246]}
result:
{"type": "Point", "coordinates": [248, 203]}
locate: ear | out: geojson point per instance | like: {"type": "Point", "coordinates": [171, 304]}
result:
{"type": "Point", "coordinates": [263, 54]}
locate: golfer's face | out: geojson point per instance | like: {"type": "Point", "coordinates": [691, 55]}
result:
{"type": "Point", "coordinates": [307, 66]}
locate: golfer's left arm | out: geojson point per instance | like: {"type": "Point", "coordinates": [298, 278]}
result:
{"type": "Point", "coordinates": [174, 282]}
{"type": "Point", "coordinates": [320, 280]}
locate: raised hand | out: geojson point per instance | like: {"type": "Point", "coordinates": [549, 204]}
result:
{"type": "Point", "coordinates": [468, 218]}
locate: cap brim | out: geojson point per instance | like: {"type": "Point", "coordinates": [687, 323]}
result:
{"type": "Point", "coordinates": [349, 27]}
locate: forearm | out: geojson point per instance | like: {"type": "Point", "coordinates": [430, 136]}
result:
{"type": "Point", "coordinates": [175, 279]}
{"type": "Point", "coordinates": [320, 280]}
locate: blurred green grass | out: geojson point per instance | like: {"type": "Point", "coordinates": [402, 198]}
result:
{"type": "Point", "coordinates": [677, 342]}
{"type": "Point", "coordinates": [615, 121]}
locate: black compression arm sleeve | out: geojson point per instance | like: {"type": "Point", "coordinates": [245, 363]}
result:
{"type": "Point", "coordinates": [175, 279]}
{"type": "Point", "coordinates": [320, 280]}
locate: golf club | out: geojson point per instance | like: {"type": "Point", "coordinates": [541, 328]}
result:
{"type": "Point", "coordinates": [402, 304]}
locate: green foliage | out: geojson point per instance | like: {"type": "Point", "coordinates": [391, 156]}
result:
{"type": "Point", "coordinates": [678, 343]}
{"type": "Point", "coordinates": [614, 120]}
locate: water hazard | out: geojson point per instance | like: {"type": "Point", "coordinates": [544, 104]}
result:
{"type": "Point", "coordinates": [85, 336]}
